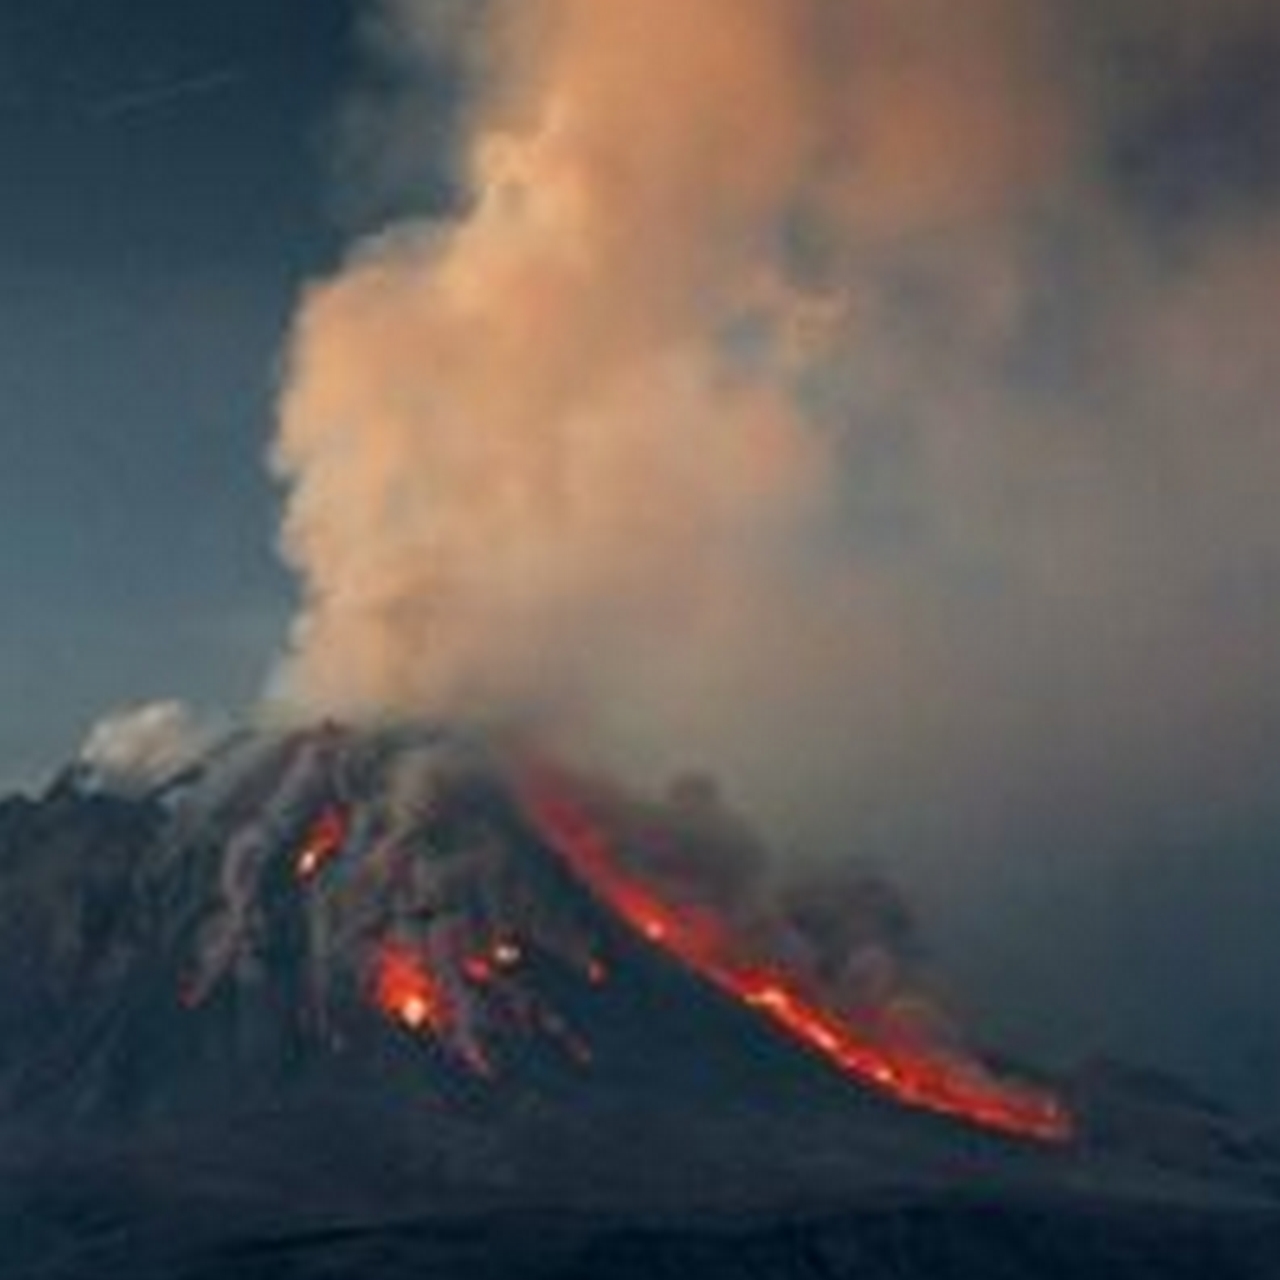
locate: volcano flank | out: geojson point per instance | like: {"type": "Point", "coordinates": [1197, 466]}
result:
{"type": "Point", "coordinates": [413, 983]}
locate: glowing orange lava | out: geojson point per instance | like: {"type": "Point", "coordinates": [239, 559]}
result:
{"type": "Point", "coordinates": [324, 842]}
{"type": "Point", "coordinates": [933, 1080]}
{"type": "Point", "coordinates": [404, 989]}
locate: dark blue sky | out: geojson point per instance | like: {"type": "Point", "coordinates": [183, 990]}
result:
{"type": "Point", "coordinates": [166, 190]}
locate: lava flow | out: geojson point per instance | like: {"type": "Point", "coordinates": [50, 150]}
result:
{"type": "Point", "coordinates": [405, 990]}
{"type": "Point", "coordinates": [323, 843]}
{"type": "Point", "coordinates": [937, 1081]}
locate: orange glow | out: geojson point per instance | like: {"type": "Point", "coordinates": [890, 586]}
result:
{"type": "Point", "coordinates": [415, 1012]}
{"type": "Point", "coordinates": [404, 989]}
{"type": "Point", "coordinates": [912, 1074]}
{"type": "Point", "coordinates": [479, 970]}
{"type": "Point", "coordinates": [486, 967]}
{"type": "Point", "coordinates": [324, 842]}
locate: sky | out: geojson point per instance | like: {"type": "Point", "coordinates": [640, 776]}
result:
{"type": "Point", "coordinates": [165, 189]}
{"type": "Point", "coordinates": [992, 292]}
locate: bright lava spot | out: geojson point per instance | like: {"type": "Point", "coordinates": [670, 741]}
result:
{"type": "Point", "coordinates": [415, 1012]}
{"type": "Point", "coordinates": [323, 842]}
{"type": "Point", "coordinates": [405, 990]}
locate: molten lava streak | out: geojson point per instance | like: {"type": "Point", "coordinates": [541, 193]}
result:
{"type": "Point", "coordinates": [933, 1080]}
{"type": "Point", "coordinates": [323, 842]}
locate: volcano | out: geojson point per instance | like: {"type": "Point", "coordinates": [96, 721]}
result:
{"type": "Point", "coordinates": [378, 1002]}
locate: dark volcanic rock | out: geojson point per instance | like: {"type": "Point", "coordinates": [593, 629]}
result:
{"type": "Point", "coordinates": [193, 1083]}
{"type": "Point", "coordinates": [904, 1241]}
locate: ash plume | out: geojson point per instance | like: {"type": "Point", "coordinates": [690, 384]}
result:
{"type": "Point", "coordinates": [826, 393]}
{"type": "Point", "coordinates": [134, 750]}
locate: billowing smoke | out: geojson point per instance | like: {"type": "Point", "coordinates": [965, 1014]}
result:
{"type": "Point", "coordinates": [584, 452]}
{"type": "Point", "coordinates": [872, 401]}
{"type": "Point", "coordinates": [134, 750]}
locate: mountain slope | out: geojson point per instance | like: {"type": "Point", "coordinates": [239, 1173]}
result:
{"type": "Point", "coordinates": [209, 1067]}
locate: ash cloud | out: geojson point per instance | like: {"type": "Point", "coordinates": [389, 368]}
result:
{"type": "Point", "coordinates": [827, 394]}
{"type": "Point", "coordinates": [136, 749]}
{"type": "Point", "coordinates": [582, 449]}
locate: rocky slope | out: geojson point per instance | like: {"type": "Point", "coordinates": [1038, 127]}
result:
{"type": "Point", "coordinates": [207, 1069]}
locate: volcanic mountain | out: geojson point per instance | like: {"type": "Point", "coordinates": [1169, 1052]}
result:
{"type": "Point", "coordinates": [406, 1002]}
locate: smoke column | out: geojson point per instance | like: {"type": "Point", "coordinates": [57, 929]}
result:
{"type": "Point", "coordinates": [577, 453]}
{"type": "Point", "coordinates": [812, 391]}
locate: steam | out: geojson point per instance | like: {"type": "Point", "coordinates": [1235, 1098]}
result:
{"type": "Point", "coordinates": [812, 391]}
{"type": "Point", "coordinates": [134, 750]}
